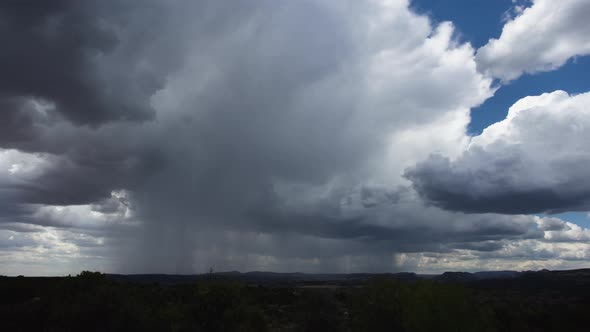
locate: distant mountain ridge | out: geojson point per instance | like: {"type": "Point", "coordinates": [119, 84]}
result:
{"type": "Point", "coordinates": [297, 278]}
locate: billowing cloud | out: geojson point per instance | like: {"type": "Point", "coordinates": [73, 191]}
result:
{"type": "Point", "coordinates": [536, 160]}
{"type": "Point", "coordinates": [541, 37]}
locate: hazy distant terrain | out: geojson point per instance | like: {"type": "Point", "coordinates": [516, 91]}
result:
{"type": "Point", "coordinates": [263, 301]}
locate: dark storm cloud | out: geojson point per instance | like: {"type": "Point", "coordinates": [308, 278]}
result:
{"type": "Point", "coordinates": [88, 69]}
{"type": "Point", "coordinates": [82, 169]}
{"type": "Point", "coordinates": [85, 181]}
{"type": "Point", "coordinates": [77, 81]}
{"type": "Point", "coordinates": [404, 230]}
{"type": "Point", "coordinates": [17, 122]}
{"type": "Point", "coordinates": [10, 210]}
{"type": "Point", "coordinates": [484, 246]}
{"type": "Point", "coordinates": [92, 64]}
{"type": "Point", "coordinates": [501, 186]}
{"type": "Point", "coordinates": [78, 63]}
{"type": "Point", "coordinates": [534, 161]}
{"type": "Point", "coordinates": [55, 50]}
{"type": "Point", "coordinates": [238, 129]}
{"type": "Point", "coordinates": [20, 227]}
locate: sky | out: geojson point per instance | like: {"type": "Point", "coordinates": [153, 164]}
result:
{"type": "Point", "coordinates": [311, 136]}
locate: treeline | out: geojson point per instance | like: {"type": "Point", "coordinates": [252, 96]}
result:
{"type": "Point", "coordinates": [93, 302]}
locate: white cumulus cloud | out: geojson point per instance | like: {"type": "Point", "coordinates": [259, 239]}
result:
{"type": "Point", "coordinates": [540, 38]}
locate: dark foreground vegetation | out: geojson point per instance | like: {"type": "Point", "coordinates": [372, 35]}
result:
{"type": "Point", "coordinates": [535, 301]}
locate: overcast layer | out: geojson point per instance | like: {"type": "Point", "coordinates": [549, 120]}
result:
{"type": "Point", "coordinates": [307, 136]}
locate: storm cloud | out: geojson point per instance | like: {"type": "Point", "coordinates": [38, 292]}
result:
{"type": "Point", "coordinates": [532, 162]}
{"type": "Point", "coordinates": [69, 53]}
{"type": "Point", "coordinates": [174, 136]}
